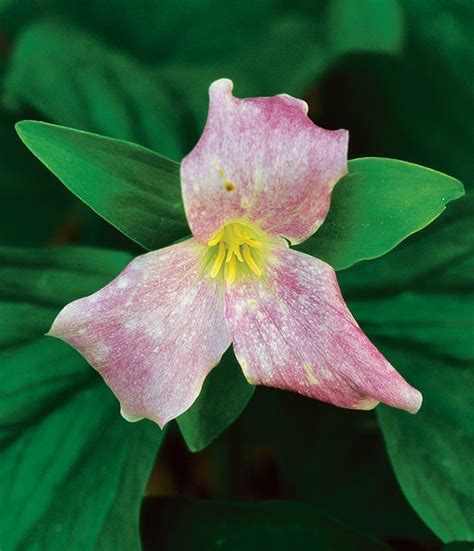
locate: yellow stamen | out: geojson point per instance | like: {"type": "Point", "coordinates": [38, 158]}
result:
{"type": "Point", "coordinates": [219, 260]}
{"type": "Point", "coordinates": [216, 238]}
{"type": "Point", "coordinates": [235, 241]}
{"type": "Point", "coordinates": [250, 261]}
{"type": "Point", "coordinates": [238, 254]}
{"type": "Point", "coordinates": [254, 244]}
{"type": "Point", "coordinates": [230, 270]}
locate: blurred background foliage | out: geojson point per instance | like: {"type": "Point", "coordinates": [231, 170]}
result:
{"type": "Point", "coordinates": [399, 75]}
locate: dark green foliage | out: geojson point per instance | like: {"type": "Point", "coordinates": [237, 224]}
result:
{"type": "Point", "coordinates": [398, 74]}
{"type": "Point", "coordinates": [424, 323]}
{"type": "Point", "coordinates": [223, 398]}
{"type": "Point", "coordinates": [73, 471]}
{"type": "Point", "coordinates": [282, 525]}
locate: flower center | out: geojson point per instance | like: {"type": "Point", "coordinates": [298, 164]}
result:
{"type": "Point", "coordinates": [234, 250]}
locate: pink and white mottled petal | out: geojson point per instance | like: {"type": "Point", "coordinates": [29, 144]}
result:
{"type": "Point", "coordinates": [153, 333]}
{"type": "Point", "coordinates": [263, 160]}
{"type": "Point", "coordinates": [294, 331]}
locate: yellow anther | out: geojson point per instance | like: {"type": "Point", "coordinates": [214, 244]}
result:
{"type": "Point", "coordinates": [234, 250]}
{"type": "Point", "coordinates": [219, 260]}
{"type": "Point", "coordinates": [216, 238]}
{"type": "Point", "coordinates": [254, 244]}
{"type": "Point", "coordinates": [250, 261]}
{"type": "Point", "coordinates": [230, 270]}
{"type": "Point", "coordinates": [238, 254]}
{"type": "Point", "coordinates": [235, 241]}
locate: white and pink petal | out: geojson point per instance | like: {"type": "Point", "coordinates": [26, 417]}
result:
{"type": "Point", "coordinates": [262, 160]}
{"type": "Point", "coordinates": [153, 333]}
{"type": "Point", "coordinates": [293, 330]}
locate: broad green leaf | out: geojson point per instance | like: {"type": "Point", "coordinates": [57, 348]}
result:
{"type": "Point", "coordinates": [429, 338]}
{"type": "Point", "coordinates": [416, 106]}
{"type": "Point", "coordinates": [427, 123]}
{"type": "Point", "coordinates": [330, 457]}
{"type": "Point", "coordinates": [160, 105]}
{"type": "Point", "coordinates": [303, 42]}
{"type": "Point", "coordinates": [375, 206]}
{"type": "Point", "coordinates": [372, 25]}
{"type": "Point", "coordinates": [73, 471]}
{"type": "Point", "coordinates": [111, 94]}
{"type": "Point", "coordinates": [134, 189]}
{"type": "Point", "coordinates": [224, 396]}
{"type": "Point", "coordinates": [414, 263]}
{"type": "Point", "coordinates": [233, 526]}
{"type": "Point", "coordinates": [425, 327]}
{"type": "Point", "coordinates": [154, 31]}
{"type": "Point", "coordinates": [432, 457]}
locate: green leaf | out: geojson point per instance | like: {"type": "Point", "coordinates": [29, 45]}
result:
{"type": "Point", "coordinates": [134, 189]}
{"type": "Point", "coordinates": [233, 526]}
{"type": "Point", "coordinates": [414, 263]}
{"type": "Point", "coordinates": [111, 94]}
{"type": "Point", "coordinates": [73, 471]}
{"type": "Point", "coordinates": [306, 45]}
{"type": "Point", "coordinates": [414, 106]}
{"type": "Point", "coordinates": [116, 95]}
{"type": "Point", "coordinates": [424, 325]}
{"type": "Point", "coordinates": [458, 546]}
{"type": "Point", "coordinates": [432, 453]}
{"type": "Point", "coordinates": [224, 396]}
{"type": "Point", "coordinates": [155, 33]}
{"type": "Point", "coordinates": [378, 204]}
{"type": "Point", "coordinates": [373, 25]}
{"type": "Point", "coordinates": [432, 457]}
{"type": "Point", "coordinates": [330, 457]}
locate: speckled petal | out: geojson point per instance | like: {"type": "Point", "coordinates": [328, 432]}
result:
{"type": "Point", "coordinates": [261, 159]}
{"type": "Point", "coordinates": [294, 331]}
{"type": "Point", "coordinates": [153, 333]}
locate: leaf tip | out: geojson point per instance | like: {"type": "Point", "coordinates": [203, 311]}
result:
{"type": "Point", "coordinates": [22, 129]}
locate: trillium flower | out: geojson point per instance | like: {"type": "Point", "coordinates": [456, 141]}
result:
{"type": "Point", "coordinates": [260, 177]}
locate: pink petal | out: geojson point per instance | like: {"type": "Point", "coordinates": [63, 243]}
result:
{"type": "Point", "coordinates": [261, 159]}
{"type": "Point", "coordinates": [293, 330]}
{"type": "Point", "coordinates": [154, 333]}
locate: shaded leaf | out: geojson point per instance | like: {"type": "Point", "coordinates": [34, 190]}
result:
{"type": "Point", "coordinates": [73, 79]}
{"type": "Point", "coordinates": [433, 456]}
{"type": "Point", "coordinates": [415, 106]}
{"type": "Point", "coordinates": [330, 457]}
{"type": "Point", "coordinates": [32, 207]}
{"type": "Point", "coordinates": [164, 106]}
{"type": "Point", "coordinates": [59, 424]}
{"type": "Point", "coordinates": [153, 31]}
{"type": "Point", "coordinates": [425, 327]}
{"type": "Point", "coordinates": [373, 25]}
{"type": "Point", "coordinates": [209, 525]}
{"type": "Point", "coordinates": [224, 396]}
{"type": "Point", "coordinates": [290, 54]}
